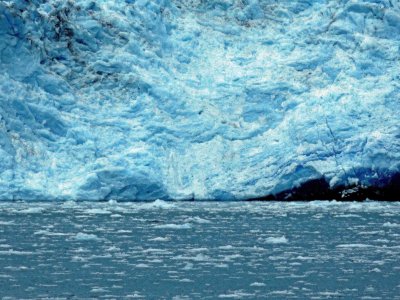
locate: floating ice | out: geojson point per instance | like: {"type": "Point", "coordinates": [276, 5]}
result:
{"type": "Point", "coordinates": [80, 236]}
{"type": "Point", "coordinates": [257, 284]}
{"type": "Point", "coordinates": [276, 240]}
{"type": "Point", "coordinates": [97, 211]}
{"type": "Point", "coordinates": [354, 246]}
{"type": "Point", "coordinates": [160, 239]}
{"type": "Point", "coordinates": [197, 220]}
{"type": "Point", "coordinates": [389, 224]}
{"type": "Point", "coordinates": [15, 252]}
{"type": "Point", "coordinates": [157, 204]}
{"type": "Point", "coordinates": [32, 210]}
{"type": "Point", "coordinates": [174, 226]}
{"type": "Point", "coordinates": [236, 295]}
{"type": "Point", "coordinates": [6, 223]}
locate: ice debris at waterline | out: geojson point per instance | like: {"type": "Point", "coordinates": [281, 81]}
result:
{"type": "Point", "coordinates": [138, 100]}
{"type": "Point", "coordinates": [199, 250]}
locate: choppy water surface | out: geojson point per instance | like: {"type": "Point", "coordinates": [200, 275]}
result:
{"type": "Point", "coordinates": [200, 250]}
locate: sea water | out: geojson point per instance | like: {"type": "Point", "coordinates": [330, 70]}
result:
{"type": "Point", "coordinates": [191, 250]}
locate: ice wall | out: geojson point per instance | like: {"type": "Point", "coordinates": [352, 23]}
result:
{"type": "Point", "coordinates": [138, 100]}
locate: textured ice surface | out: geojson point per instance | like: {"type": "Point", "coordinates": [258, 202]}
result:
{"type": "Point", "coordinates": [218, 99]}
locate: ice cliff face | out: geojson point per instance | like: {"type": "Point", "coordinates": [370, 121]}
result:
{"type": "Point", "coordinates": [178, 99]}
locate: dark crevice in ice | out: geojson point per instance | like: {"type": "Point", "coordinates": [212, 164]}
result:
{"type": "Point", "coordinates": [319, 189]}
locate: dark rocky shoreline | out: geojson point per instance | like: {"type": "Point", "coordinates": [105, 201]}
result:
{"type": "Point", "coordinates": [319, 189]}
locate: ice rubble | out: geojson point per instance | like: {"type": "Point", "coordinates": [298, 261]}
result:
{"type": "Point", "coordinates": [177, 99]}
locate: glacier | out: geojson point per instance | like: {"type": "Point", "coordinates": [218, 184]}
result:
{"type": "Point", "coordinates": [196, 99]}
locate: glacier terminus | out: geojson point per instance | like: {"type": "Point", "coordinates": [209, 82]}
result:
{"type": "Point", "coordinates": [197, 99]}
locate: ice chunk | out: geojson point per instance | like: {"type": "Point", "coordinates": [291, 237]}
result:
{"type": "Point", "coordinates": [392, 225]}
{"type": "Point", "coordinates": [81, 236]}
{"type": "Point", "coordinates": [160, 239]}
{"type": "Point", "coordinates": [276, 240]}
{"type": "Point", "coordinates": [97, 211]}
{"type": "Point", "coordinates": [174, 226]}
{"type": "Point", "coordinates": [257, 284]}
{"type": "Point", "coordinates": [157, 204]}
{"type": "Point", "coordinates": [197, 220]}
{"type": "Point", "coordinates": [354, 246]}
{"type": "Point", "coordinates": [32, 210]}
